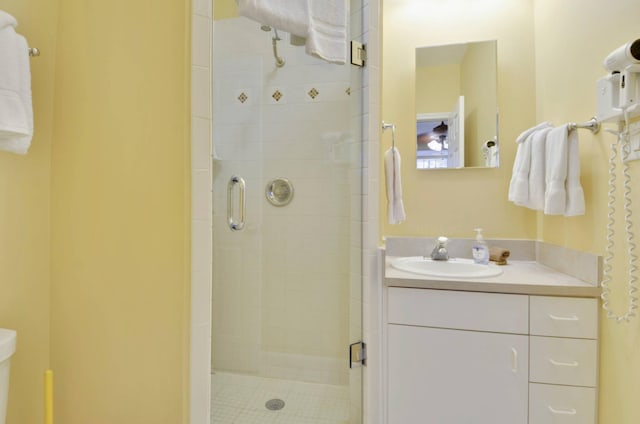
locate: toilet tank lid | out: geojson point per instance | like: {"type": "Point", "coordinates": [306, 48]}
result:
{"type": "Point", "coordinates": [7, 343]}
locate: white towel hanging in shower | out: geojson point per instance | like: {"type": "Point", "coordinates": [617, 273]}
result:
{"type": "Point", "coordinates": [322, 24]}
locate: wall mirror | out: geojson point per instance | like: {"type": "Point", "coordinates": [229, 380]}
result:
{"type": "Point", "coordinates": [457, 106]}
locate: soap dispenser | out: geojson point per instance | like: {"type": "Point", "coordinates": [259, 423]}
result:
{"type": "Point", "coordinates": [480, 249]}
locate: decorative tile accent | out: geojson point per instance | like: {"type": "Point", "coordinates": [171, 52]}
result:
{"type": "Point", "coordinates": [348, 91]}
{"type": "Point", "coordinates": [313, 93]}
{"type": "Point", "coordinates": [277, 94]}
{"type": "Point", "coordinates": [243, 97]}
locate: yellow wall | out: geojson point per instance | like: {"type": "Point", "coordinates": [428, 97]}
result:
{"type": "Point", "coordinates": [24, 222]}
{"type": "Point", "coordinates": [566, 72]}
{"type": "Point", "coordinates": [120, 190]}
{"type": "Point", "coordinates": [474, 197]}
{"type": "Point", "coordinates": [94, 220]}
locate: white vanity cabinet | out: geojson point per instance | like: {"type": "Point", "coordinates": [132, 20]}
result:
{"type": "Point", "coordinates": [460, 357]}
{"type": "Point", "coordinates": [457, 357]}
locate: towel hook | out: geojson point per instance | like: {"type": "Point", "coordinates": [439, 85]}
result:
{"type": "Point", "coordinates": [34, 52]}
{"type": "Point", "coordinates": [386, 126]}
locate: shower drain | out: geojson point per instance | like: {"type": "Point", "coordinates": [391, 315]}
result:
{"type": "Point", "coordinates": [274, 404]}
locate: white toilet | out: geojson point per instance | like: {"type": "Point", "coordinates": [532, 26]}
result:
{"type": "Point", "coordinates": [7, 348]}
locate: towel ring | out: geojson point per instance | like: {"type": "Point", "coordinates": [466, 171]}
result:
{"type": "Point", "coordinates": [386, 126]}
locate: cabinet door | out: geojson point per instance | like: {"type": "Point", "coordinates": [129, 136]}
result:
{"type": "Point", "coordinates": [456, 377]}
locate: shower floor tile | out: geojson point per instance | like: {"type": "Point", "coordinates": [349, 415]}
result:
{"type": "Point", "coordinates": [241, 399]}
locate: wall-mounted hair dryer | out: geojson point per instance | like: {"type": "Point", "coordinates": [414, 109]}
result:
{"type": "Point", "coordinates": [619, 91]}
{"type": "Point", "coordinates": [623, 56]}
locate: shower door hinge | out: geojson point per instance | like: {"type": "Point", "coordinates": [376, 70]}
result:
{"type": "Point", "coordinates": [358, 53]}
{"type": "Point", "coordinates": [357, 354]}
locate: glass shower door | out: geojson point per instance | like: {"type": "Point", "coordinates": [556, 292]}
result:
{"type": "Point", "coordinates": [286, 299]}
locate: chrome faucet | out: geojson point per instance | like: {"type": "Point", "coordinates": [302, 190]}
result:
{"type": "Point", "coordinates": [439, 252]}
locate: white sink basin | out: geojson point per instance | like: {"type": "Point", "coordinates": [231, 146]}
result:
{"type": "Point", "coordinates": [453, 268]}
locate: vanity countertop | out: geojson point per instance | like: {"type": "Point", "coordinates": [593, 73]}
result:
{"type": "Point", "coordinates": [519, 277]}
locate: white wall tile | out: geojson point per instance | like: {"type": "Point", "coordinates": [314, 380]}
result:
{"type": "Point", "coordinates": [201, 41]}
{"type": "Point", "coordinates": [200, 298]}
{"type": "Point", "coordinates": [201, 246]}
{"type": "Point", "coordinates": [200, 144]}
{"type": "Point", "coordinates": [203, 7]}
{"type": "Point", "coordinates": [200, 373]}
{"type": "Point", "coordinates": [200, 89]}
{"type": "Point", "coordinates": [201, 198]}
{"type": "Point", "coordinates": [356, 23]}
{"type": "Point", "coordinates": [200, 351]}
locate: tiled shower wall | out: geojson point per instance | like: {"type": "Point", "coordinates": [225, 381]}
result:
{"type": "Point", "coordinates": [364, 19]}
{"type": "Point", "coordinates": [281, 286]}
{"type": "Point", "coordinates": [201, 119]}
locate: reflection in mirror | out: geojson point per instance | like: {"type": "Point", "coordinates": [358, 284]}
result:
{"type": "Point", "coordinates": [456, 105]}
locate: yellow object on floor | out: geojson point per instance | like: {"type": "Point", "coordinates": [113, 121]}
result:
{"type": "Point", "coordinates": [48, 397]}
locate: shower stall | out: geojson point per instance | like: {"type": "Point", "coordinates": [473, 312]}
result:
{"type": "Point", "coordinates": [287, 231]}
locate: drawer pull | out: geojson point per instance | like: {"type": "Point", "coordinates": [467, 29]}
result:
{"type": "Point", "coordinates": [564, 364]}
{"type": "Point", "coordinates": [563, 411]}
{"type": "Point", "coordinates": [514, 360]}
{"type": "Point", "coordinates": [569, 318]}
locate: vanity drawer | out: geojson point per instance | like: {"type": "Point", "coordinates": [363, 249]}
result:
{"type": "Point", "coordinates": [563, 361]}
{"type": "Point", "coordinates": [564, 317]}
{"type": "Point", "coordinates": [561, 404]}
{"type": "Point", "coordinates": [502, 313]}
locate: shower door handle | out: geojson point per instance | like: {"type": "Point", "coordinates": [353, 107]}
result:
{"type": "Point", "coordinates": [233, 224]}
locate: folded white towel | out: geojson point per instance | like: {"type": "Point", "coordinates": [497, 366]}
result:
{"type": "Point", "coordinates": [322, 24]}
{"type": "Point", "coordinates": [556, 159]}
{"type": "Point", "coordinates": [395, 205]}
{"type": "Point", "coordinates": [327, 37]}
{"type": "Point", "coordinates": [575, 194]}
{"type": "Point", "coordinates": [288, 15]}
{"type": "Point", "coordinates": [519, 185]}
{"type": "Point", "coordinates": [16, 112]}
{"type": "Point", "coordinates": [525, 134]}
{"type": "Point", "coordinates": [537, 170]}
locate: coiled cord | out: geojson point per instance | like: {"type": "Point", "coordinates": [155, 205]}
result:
{"type": "Point", "coordinates": [624, 144]}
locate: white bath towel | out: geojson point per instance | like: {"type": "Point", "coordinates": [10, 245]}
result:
{"type": "Point", "coordinates": [16, 112]}
{"type": "Point", "coordinates": [537, 169]}
{"type": "Point", "coordinates": [575, 194]}
{"type": "Point", "coordinates": [327, 36]}
{"type": "Point", "coordinates": [557, 164]}
{"type": "Point", "coordinates": [525, 134]}
{"type": "Point", "coordinates": [395, 205]}
{"type": "Point", "coordinates": [322, 24]}
{"type": "Point", "coordinates": [286, 15]}
{"type": "Point", "coordinates": [519, 185]}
